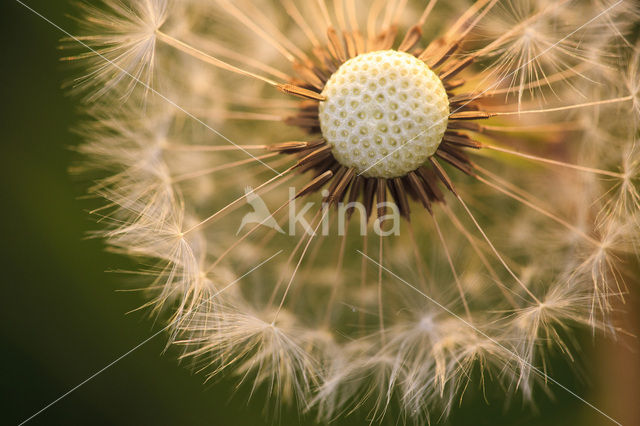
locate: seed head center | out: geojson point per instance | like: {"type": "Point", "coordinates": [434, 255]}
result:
{"type": "Point", "coordinates": [385, 113]}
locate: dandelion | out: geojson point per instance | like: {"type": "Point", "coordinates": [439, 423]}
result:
{"type": "Point", "coordinates": [453, 186]}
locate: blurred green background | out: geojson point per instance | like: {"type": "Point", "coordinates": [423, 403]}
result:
{"type": "Point", "coordinates": [62, 318]}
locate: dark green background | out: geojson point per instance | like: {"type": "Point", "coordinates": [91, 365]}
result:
{"type": "Point", "coordinates": [62, 318]}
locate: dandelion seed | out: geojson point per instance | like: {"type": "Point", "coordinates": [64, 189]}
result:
{"type": "Point", "coordinates": [123, 35]}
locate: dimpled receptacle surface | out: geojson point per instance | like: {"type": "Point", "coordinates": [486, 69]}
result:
{"type": "Point", "coordinates": [385, 113]}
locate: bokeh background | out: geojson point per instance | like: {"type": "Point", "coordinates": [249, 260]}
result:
{"type": "Point", "coordinates": [62, 318]}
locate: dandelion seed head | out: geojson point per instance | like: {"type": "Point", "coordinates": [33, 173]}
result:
{"type": "Point", "coordinates": [502, 134]}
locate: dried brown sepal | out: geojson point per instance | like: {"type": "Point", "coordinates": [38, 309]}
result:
{"type": "Point", "coordinates": [381, 197]}
{"type": "Point", "coordinates": [390, 38]}
{"type": "Point", "coordinates": [339, 191]}
{"type": "Point", "coordinates": [315, 157]}
{"type": "Point", "coordinates": [456, 158]}
{"type": "Point", "coordinates": [396, 187]}
{"type": "Point", "coordinates": [335, 181]}
{"type": "Point", "coordinates": [438, 53]}
{"type": "Point", "coordinates": [442, 175]}
{"type": "Point", "coordinates": [308, 75]}
{"type": "Point", "coordinates": [301, 92]}
{"type": "Point", "coordinates": [336, 45]}
{"type": "Point", "coordinates": [352, 50]}
{"type": "Point", "coordinates": [471, 115]}
{"type": "Point", "coordinates": [455, 68]}
{"type": "Point", "coordinates": [418, 189]}
{"type": "Point", "coordinates": [369, 194]}
{"type": "Point", "coordinates": [461, 139]}
{"type": "Point", "coordinates": [325, 59]}
{"type": "Point", "coordinates": [309, 124]}
{"type": "Point", "coordinates": [465, 125]}
{"type": "Point", "coordinates": [359, 41]}
{"type": "Point", "coordinates": [288, 147]}
{"type": "Point", "coordinates": [454, 84]}
{"type": "Point", "coordinates": [431, 180]}
{"type": "Point", "coordinates": [315, 184]}
{"type": "Point", "coordinates": [354, 193]}
{"type": "Point", "coordinates": [412, 38]}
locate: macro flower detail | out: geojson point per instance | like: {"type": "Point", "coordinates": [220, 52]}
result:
{"type": "Point", "coordinates": [397, 98]}
{"type": "Point", "coordinates": [464, 174]}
